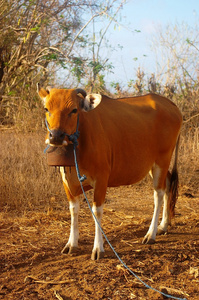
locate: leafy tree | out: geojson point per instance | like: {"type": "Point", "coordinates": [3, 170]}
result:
{"type": "Point", "coordinates": [39, 39]}
{"type": "Point", "coordinates": [33, 34]}
{"type": "Point", "coordinates": [90, 64]}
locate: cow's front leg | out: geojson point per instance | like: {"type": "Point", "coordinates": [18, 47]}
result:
{"type": "Point", "coordinates": [98, 248]}
{"type": "Point", "coordinates": [72, 244]}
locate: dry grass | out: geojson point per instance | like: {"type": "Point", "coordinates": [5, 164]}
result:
{"type": "Point", "coordinates": [189, 155]}
{"type": "Point", "coordinates": [27, 183]}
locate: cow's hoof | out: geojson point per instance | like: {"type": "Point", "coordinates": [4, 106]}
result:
{"type": "Point", "coordinates": [161, 232]}
{"type": "Point", "coordinates": [148, 241]}
{"type": "Point", "coordinates": [96, 255]}
{"type": "Point", "coordinates": [69, 250]}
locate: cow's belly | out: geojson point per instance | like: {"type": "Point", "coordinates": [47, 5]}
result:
{"type": "Point", "coordinates": [128, 175]}
{"type": "Point", "coordinates": [130, 169]}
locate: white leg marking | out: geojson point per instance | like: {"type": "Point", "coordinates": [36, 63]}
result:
{"type": "Point", "coordinates": [62, 171]}
{"type": "Point", "coordinates": [74, 230]}
{"type": "Point", "coordinates": [74, 212]}
{"type": "Point", "coordinates": [151, 234]}
{"type": "Point", "coordinates": [98, 248]}
{"type": "Point", "coordinates": [72, 244]}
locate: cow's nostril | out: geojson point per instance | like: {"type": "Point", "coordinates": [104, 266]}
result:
{"type": "Point", "coordinates": [56, 137]}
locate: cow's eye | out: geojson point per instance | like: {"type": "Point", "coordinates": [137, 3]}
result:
{"type": "Point", "coordinates": [47, 111]}
{"type": "Point", "coordinates": [74, 111]}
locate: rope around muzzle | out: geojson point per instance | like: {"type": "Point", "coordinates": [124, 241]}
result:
{"type": "Point", "coordinates": [74, 139]}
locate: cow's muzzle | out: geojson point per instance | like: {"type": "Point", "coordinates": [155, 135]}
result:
{"type": "Point", "coordinates": [56, 137]}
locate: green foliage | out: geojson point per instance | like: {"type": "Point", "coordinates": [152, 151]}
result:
{"type": "Point", "coordinates": [36, 29]}
{"type": "Point", "coordinates": [78, 70]}
{"type": "Point", "coordinates": [51, 56]}
{"type": "Point", "coordinates": [96, 66]}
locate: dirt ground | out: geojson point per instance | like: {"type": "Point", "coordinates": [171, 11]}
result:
{"type": "Point", "coordinates": [32, 266]}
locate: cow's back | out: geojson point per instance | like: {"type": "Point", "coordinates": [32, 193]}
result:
{"type": "Point", "coordinates": [123, 138]}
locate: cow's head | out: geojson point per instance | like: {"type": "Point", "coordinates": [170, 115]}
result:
{"type": "Point", "coordinates": [62, 107]}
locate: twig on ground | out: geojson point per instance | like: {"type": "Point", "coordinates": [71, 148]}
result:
{"type": "Point", "coordinates": [173, 292]}
{"type": "Point", "coordinates": [57, 295]}
{"type": "Point", "coordinates": [32, 278]}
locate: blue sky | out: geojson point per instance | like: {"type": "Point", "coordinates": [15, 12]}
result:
{"type": "Point", "coordinates": [147, 16]}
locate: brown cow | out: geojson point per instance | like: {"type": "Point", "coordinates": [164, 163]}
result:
{"type": "Point", "coordinates": [120, 142]}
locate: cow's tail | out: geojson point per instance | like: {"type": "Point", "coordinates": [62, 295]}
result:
{"type": "Point", "coordinates": [174, 182]}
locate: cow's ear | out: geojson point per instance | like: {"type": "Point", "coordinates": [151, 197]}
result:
{"type": "Point", "coordinates": [42, 92]}
{"type": "Point", "coordinates": [91, 101]}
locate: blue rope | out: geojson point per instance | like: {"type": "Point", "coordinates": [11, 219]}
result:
{"type": "Point", "coordinates": [81, 179]}
{"type": "Point", "coordinates": [73, 138]}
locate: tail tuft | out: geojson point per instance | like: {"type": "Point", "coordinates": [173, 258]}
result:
{"type": "Point", "coordinates": [174, 183]}
{"type": "Point", "coordinates": [173, 192]}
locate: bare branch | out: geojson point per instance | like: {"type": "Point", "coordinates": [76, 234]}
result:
{"type": "Point", "coordinates": [89, 21]}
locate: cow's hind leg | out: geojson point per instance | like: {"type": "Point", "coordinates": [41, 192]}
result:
{"type": "Point", "coordinates": [163, 227]}
{"type": "Point", "coordinates": [159, 179]}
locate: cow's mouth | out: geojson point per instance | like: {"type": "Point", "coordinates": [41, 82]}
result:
{"type": "Point", "coordinates": [64, 143]}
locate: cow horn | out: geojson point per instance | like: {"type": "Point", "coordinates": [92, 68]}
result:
{"type": "Point", "coordinates": [38, 87]}
{"type": "Point", "coordinates": [82, 92]}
